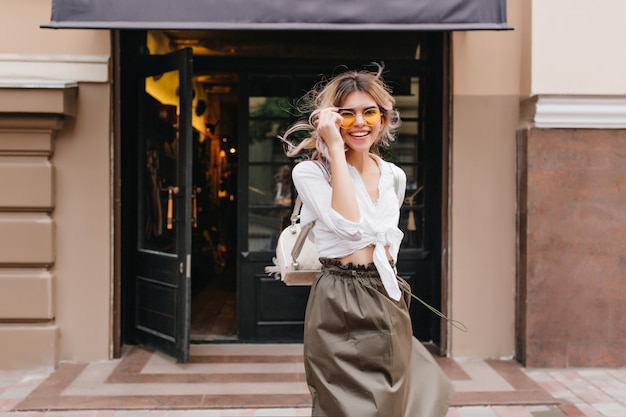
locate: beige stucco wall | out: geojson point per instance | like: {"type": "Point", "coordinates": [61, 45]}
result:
{"type": "Point", "coordinates": [20, 32]}
{"type": "Point", "coordinates": [83, 223]}
{"type": "Point", "coordinates": [577, 47]}
{"type": "Point", "coordinates": [60, 309]}
{"type": "Point", "coordinates": [487, 76]}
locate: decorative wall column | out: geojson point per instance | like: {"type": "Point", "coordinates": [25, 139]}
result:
{"type": "Point", "coordinates": [31, 112]}
{"type": "Point", "coordinates": [572, 233]}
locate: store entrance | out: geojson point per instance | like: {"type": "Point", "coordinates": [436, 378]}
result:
{"type": "Point", "coordinates": [214, 235]}
{"type": "Point", "coordinates": [225, 111]}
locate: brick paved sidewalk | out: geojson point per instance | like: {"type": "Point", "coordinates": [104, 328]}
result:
{"type": "Point", "coordinates": [582, 393]}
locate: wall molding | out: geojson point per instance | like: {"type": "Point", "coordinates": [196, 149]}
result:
{"type": "Point", "coordinates": [21, 99]}
{"type": "Point", "coordinates": [77, 68]}
{"type": "Point", "coordinates": [578, 112]}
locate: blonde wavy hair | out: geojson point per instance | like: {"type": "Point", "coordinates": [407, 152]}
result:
{"type": "Point", "coordinates": [332, 93]}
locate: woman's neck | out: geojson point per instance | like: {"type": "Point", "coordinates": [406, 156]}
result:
{"type": "Point", "coordinates": [361, 161]}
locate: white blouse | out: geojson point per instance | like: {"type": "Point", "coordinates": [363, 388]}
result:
{"type": "Point", "coordinates": [336, 237]}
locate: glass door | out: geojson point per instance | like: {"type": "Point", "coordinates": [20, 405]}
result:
{"type": "Point", "coordinates": [164, 204]}
{"type": "Point", "coordinates": [272, 311]}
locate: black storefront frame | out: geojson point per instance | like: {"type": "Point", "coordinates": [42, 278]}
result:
{"type": "Point", "coordinates": [123, 62]}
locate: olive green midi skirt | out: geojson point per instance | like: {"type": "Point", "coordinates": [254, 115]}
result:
{"type": "Point", "coordinates": [360, 356]}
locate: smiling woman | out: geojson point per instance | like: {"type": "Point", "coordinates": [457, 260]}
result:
{"type": "Point", "coordinates": [357, 329]}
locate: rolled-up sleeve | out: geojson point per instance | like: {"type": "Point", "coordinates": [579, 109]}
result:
{"type": "Point", "coordinates": [316, 194]}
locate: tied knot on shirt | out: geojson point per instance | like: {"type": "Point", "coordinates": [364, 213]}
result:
{"type": "Point", "coordinates": [387, 274]}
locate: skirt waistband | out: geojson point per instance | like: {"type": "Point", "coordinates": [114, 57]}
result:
{"type": "Point", "coordinates": [350, 270]}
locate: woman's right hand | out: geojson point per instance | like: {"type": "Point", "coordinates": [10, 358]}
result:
{"type": "Point", "coordinates": [328, 127]}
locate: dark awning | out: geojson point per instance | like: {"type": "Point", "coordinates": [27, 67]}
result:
{"type": "Point", "coordinates": [280, 14]}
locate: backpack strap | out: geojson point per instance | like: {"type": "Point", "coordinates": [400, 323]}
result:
{"type": "Point", "coordinates": [295, 216]}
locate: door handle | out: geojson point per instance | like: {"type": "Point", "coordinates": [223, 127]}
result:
{"type": "Point", "coordinates": [194, 206]}
{"type": "Point", "coordinates": [170, 206]}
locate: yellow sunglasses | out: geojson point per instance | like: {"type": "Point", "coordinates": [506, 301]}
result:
{"type": "Point", "coordinates": [370, 116]}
